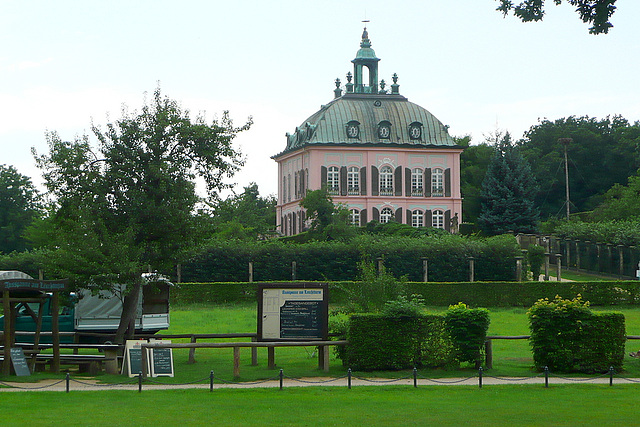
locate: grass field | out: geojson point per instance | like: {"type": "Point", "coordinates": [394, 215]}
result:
{"type": "Point", "coordinates": [511, 358]}
{"type": "Point", "coordinates": [561, 405]}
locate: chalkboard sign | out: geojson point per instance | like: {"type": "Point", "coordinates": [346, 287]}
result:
{"type": "Point", "coordinates": [293, 312]}
{"type": "Point", "coordinates": [301, 319]}
{"type": "Point", "coordinates": [162, 362]}
{"type": "Point", "coordinates": [19, 362]}
{"type": "Point", "coordinates": [133, 358]}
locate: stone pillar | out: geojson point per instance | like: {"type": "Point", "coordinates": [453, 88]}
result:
{"type": "Point", "coordinates": [250, 272]}
{"type": "Point", "coordinates": [546, 265]}
{"type": "Point", "coordinates": [380, 265]}
{"type": "Point", "coordinates": [293, 270]}
{"type": "Point", "coordinates": [472, 269]}
{"type": "Point", "coordinates": [621, 260]}
{"type": "Point", "coordinates": [425, 270]}
{"type": "Point", "coordinates": [559, 267]}
{"type": "Point", "coordinates": [519, 268]}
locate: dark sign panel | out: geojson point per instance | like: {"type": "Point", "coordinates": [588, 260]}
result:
{"type": "Point", "coordinates": [162, 362]}
{"type": "Point", "coordinates": [293, 312]}
{"type": "Point", "coordinates": [19, 362]}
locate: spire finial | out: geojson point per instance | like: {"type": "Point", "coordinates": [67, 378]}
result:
{"type": "Point", "coordinates": [365, 36]}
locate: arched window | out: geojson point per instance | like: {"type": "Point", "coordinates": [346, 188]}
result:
{"type": "Point", "coordinates": [353, 181]}
{"type": "Point", "coordinates": [437, 219]}
{"type": "Point", "coordinates": [417, 218]}
{"type": "Point", "coordinates": [437, 182]}
{"type": "Point", "coordinates": [417, 182]}
{"type": "Point", "coordinates": [385, 215]}
{"type": "Point", "coordinates": [386, 181]}
{"type": "Point", "coordinates": [354, 217]}
{"type": "Point", "coordinates": [333, 180]}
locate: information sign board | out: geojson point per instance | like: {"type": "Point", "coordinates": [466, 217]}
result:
{"type": "Point", "coordinates": [19, 362]}
{"type": "Point", "coordinates": [297, 312]}
{"type": "Point", "coordinates": [132, 364]}
{"type": "Point", "coordinates": [162, 361]}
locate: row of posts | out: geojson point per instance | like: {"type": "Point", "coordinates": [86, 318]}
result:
{"type": "Point", "coordinates": [520, 274]}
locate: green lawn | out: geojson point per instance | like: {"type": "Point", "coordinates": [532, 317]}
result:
{"type": "Point", "coordinates": [522, 405]}
{"type": "Point", "coordinates": [511, 357]}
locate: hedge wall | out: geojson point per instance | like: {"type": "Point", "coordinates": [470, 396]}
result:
{"type": "Point", "coordinates": [485, 294]}
{"type": "Point", "coordinates": [380, 342]}
{"type": "Point", "coordinates": [447, 255]}
{"type": "Point", "coordinates": [567, 337]}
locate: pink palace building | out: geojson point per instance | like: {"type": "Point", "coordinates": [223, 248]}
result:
{"type": "Point", "coordinates": [379, 155]}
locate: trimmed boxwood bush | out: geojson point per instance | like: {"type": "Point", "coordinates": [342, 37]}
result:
{"type": "Point", "coordinates": [468, 330]}
{"type": "Point", "coordinates": [567, 337]}
{"type": "Point", "coordinates": [381, 342]}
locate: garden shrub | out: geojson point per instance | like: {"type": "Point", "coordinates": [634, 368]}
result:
{"type": "Point", "coordinates": [468, 330]}
{"type": "Point", "coordinates": [382, 342]}
{"type": "Point", "coordinates": [567, 337]}
{"type": "Point", "coordinates": [535, 255]}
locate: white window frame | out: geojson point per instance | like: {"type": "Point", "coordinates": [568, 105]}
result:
{"type": "Point", "coordinates": [333, 180]}
{"type": "Point", "coordinates": [386, 181]}
{"type": "Point", "coordinates": [437, 219]}
{"type": "Point", "coordinates": [417, 218]}
{"type": "Point", "coordinates": [354, 217]}
{"type": "Point", "coordinates": [437, 182]}
{"type": "Point", "coordinates": [417, 182]}
{"type": "Point", "coordinates": [385, 215]}
{"type": "Point", "coordinates": [353, 181]}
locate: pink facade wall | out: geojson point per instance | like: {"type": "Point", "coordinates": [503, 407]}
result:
{"type": "Point", "coordinates": [312, 159]}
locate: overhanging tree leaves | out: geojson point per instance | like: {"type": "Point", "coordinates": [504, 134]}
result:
{"type": "Point", "coordinates": [129, 205]}
{"type": "Point", "coordinates": [508, 192]}
{"type": "Point", "coordinates": [19, 206]}
{"type": "Point", "coordinates": [596, 12]}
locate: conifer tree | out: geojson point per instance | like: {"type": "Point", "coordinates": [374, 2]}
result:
{"type": "Point", "coordinates": [508, 192]}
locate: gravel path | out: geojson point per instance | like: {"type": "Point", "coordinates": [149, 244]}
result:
{"type": "Point", "coordinates": [93, 385]}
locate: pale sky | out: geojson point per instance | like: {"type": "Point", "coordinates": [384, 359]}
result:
{"type": "Point", "coordinates": [66, 63]}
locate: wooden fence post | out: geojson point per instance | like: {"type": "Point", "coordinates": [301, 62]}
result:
{"type": "Point", "coordinates": [471, 269]}
{"type": "Point", "coordinates": [250, 272]}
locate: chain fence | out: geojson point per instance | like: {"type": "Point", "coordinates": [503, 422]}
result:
{"type": "Point", "coordinates": [350, 378]}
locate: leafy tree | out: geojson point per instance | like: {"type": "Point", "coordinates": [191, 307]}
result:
{"type": "Point", "coordinates": [19, 206]}
{"type": "Point", "coordinates": [596, 12]}
{"type": "Point", "coordinates": [603, 152]}
{"type": "Point", "coordinates": [620, 202]}
{"type": "Point", "coordinates": [508, 192]}
{"type": "Point", "coordinates": [129, 206]}
{"type": "Point", "coordinates": [474, 162]}
{"type": "Point", "coordinates": [246, 215]}
{"type": "Point", "coordinates": [328, 221]}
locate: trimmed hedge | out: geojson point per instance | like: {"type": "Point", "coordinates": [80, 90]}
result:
{"type": "Point", "coordinates": [485, 294]}
{"type": "Point", "coordinates": [380, 342]}
{"type": "Point", "coordinates": [448, 257]}
{"type": "Point", "coordinates": [567, 337]}
{"type": "Point", "coordinates": [468, 329]}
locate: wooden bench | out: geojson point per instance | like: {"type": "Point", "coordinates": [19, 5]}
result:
{"type": "Point", "coordinates": [87, 363]}
{"type": "Point", "coordinates": [323, 347]}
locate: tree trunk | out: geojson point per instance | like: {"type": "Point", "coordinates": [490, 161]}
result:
{"type": "Point", "coordinates": [127, 326]}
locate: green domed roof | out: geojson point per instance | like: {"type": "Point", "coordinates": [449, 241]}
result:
{"type": "Point", "coordinates": [329, 125]}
